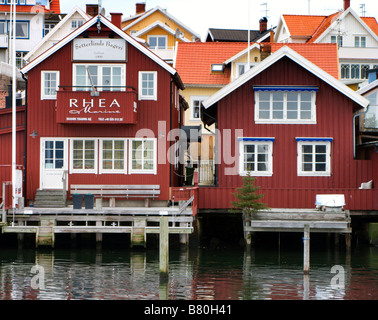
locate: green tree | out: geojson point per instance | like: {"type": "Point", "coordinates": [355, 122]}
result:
{"type": "Point", "coordinates": [247, 197]}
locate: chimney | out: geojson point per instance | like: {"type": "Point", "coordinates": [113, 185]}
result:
{"type": "Point", "coordinates": [346, 4]}
{"type": "Point", "coordinates": [263, 25]}
{"type": "Point", "coordinates": [92, 9]}
{"type": "Point", "coordinates": [140, 8]}
{"type": "Point", "coordinates": [116, 19]}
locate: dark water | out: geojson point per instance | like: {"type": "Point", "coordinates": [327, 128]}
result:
{"type": "Point", "coordinates": [195, 274]}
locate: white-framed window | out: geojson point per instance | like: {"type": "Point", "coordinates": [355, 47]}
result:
{"type": "Point", "coordinates": [195, 110]}
{"type": "Point", "coordinates": [22, 29]}
{"type": "Point", "coordinates": [360, 41]}
{"type": "Point", "coordinates": [355, 71]}
{"type": "Point", "coordinates": [314, 156]}
{"type": "Point", "coordinates": [48, 27]}
{"type": "Point", "coordinates": [285, 105]}
{"type": "Point", "coordinates": [2, 1]}
{"type": "Point", "coordinates": [241, 68]}
{"type": "Point", "coordinates": [113, 155]}
{"type": "Point", "coordinates": [83, 155]}
{"type": "Point", "coordinates": [104, 77]}
{"type": "Point", "coordinates": [147, 85]}
{"type": "Point", "coordinates": [338, 40]}
{"type": "Point", "coordinates": [157, 42]}
{"type": "Point", "coordinates": [76, 23]}
{"type": "Point", "coordinates": [256, 156]}
{"type": "Point", "coordinates": [49, 84]}
{"type": "Point", "coordinates": [142, 156]}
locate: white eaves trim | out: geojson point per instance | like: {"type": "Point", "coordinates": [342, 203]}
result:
{"type": "Point", "coordinates": [341, 17]}
{"type": "Point", "coordinates": [153, 26]}
{"type": "Point", "coordinates": [242, 53]}
{"type": "Point", "coordinates": [296, 57]}
{"type": "Point", "coordinates": [368, 87]}
{"type": "Point", "coordinates": [148, 13]}
{"type": "Point", "coordinates": [86, 26]}
{"type": "Point", "coordinates": [56, 29]}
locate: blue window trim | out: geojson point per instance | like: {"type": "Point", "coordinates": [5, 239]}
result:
{"type": "Point", "coordinates": [286, 88]}
{"type": "Point", "coordinates": [315, 139]}
{"type": "Point", "coordinates": [257, 139]}
{"type": "Point", "coordinates": [6, 22]}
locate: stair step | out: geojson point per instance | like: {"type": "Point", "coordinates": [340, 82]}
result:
{"type": "Point", "coordinates": [49, 199]}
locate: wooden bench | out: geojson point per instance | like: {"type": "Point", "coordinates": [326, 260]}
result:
{"type": "Point", "coordinates": [145, 192]}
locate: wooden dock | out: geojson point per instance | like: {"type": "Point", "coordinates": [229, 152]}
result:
{"type": "Point", "coordinates": [138, 222]}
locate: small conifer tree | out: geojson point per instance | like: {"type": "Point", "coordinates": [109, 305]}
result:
{"type": "Point", "coordinates": [248, 199]}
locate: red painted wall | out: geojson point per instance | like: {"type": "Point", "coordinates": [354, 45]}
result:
{"type": "Point", "coordinates": [42, 118]}
{"type": "Point", "coordinates": [334, 112]}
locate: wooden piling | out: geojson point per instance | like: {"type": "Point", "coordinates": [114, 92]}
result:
{"type": "Point", "coordinates": [164, 245]}
{"type": "Point", "coordinates": [306, 249]}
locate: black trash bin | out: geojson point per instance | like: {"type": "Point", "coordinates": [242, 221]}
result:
{"type": "Point", "coordinates": [77, 200]}
{"type": "Point", "coordinates": [89, 199]}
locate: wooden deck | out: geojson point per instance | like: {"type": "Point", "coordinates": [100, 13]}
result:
{"type": "Point", "coordinates": [136, 221]}
{"type": "Point", "coordinates": [294, 220]}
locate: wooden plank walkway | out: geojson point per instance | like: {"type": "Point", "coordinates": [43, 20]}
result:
{"type": "Point", "coordinates": [294, 220]}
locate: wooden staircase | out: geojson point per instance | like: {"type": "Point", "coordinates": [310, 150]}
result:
{"type": "Point", "coordinates": [50, 199]}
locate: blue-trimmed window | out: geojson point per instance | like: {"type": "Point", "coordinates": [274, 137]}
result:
{"type": "Point", "coordinates": [285, 104]}
{"type": "Point", "coordinates": [256, 156]}
{"type": "Point", "coordinates": [22, 28]}
{"type": "Point", "coordinates": [314, 156]}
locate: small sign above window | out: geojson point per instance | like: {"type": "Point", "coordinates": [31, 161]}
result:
{"type": "Point", "coordinates": [99, 50]}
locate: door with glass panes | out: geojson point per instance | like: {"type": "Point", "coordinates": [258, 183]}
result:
{"type": "Point", "coordinates": [54, 162]}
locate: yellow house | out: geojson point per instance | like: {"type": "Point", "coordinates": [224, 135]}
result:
{"type": "Point", "coordinates": [159, 29]}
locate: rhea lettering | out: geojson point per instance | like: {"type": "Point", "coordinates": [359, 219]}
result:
{"type": "Point", "coordinates": [93, 106]}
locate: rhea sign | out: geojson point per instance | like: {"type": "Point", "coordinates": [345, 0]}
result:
{"type": "Point", "coordinates": [109, 107]}
{"type": "Point", "coordinates": [99, 49]}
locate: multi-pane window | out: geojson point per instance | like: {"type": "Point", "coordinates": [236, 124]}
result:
{"type": "Point", "coordinates": [22, 29]}
{"type": "Point", "coordinates": [314, 157]}
{"type": "Point", "coordinates": [102, 77]}
{"type": "Point", "coordinates": [256, 156]}
{"type": "Point", "coordinates": [196, 107]}
{"type": "Point", "coordinates": [354, 71]}
{"type": "Point", "coordinates": [360, 42]}
{"type": "Point", "coordinates": [113, 152]}
{"type": "Point", "coordinates": [285, 106]}
{"type": "Point", "coordinates": [49, 84]}
{"type": "Point", "coordinates": [338, 40]}
{"type": "Point", "coordinates": [84, 155]}
{"type": "Point", "coordinates": [142, 156]}
{"type": "Point", "coordinates": [147, 85]}
{"type": "Point", "coordinates": [54, 154]}
{"type": "Point", "coordinates": [48, 27]}
{"type": "Point", "coordinates": [76, 23]}
{"type": "Point", "coordinates": [157, 42]}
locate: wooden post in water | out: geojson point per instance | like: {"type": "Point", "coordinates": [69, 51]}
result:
{"type": "Point", "coordinates": [306, 249]}
{"type": "Point", "coordinates": [164, 245]}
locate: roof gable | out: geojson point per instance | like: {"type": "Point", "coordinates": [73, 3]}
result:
{"type": "Point", "coordinates": [148, 13]}
{"type": "Point", "coordinates": [86, 26]}
{"type": "Point", "coordinates": [343, 16]}
{"type": "Point", "coordinates": [296, 57]}
{"type": "Point", "coordinates": [157, 24]}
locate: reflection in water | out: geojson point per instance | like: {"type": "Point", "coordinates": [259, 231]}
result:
{"type": "Point", "coordinates": [198, 274]}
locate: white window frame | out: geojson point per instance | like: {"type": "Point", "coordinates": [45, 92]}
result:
{"type": "Point", "coordinates": [157, 41]}
{"type": "Point", "coordinates": [192, 99]}
{"type": "Point", "coordinates": [100, 76]}
{"type": "Point", "coordinates": [358, 41]}
{"type": "Point", "coordinates": [257, 142]}
{"type": "Point", "coordinates": [102, 170]}
{"type": "Point", "coordinates": [45, 96]}
{"type": "Point", "coordinates": [140, 82]}
{"type": "Point", "coordinates": [143, 171]}
{"type": "Point", "coordinates": [88, 171]}
{"type": "Point", "coordinates": [285, 120]}
{"type": "Point", "coordinates": [238, 65]}
{"type": "Point", "coordinates": [314, 142]}
{"type": "Point", "coordinates": [337, 39]}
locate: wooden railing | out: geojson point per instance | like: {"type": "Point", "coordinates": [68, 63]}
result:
{"type": "Point", "coordinates": [188, 194]}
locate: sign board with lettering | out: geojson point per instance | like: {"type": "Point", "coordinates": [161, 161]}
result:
{"type": "Point", "coordinates": [109, 107]}
{"type": "Point", "coordinates": [99, 49]}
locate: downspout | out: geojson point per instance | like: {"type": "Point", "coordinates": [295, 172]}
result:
{"type": "Point", "coordinates": [358, 114]}
{"type": "Point", "coordinates": [26, 131]}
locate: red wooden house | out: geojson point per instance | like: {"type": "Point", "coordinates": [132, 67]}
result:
{"type": "Point", "coordinates": [290, 124]}
{"type": "Point", "coordinates": [101, 106]}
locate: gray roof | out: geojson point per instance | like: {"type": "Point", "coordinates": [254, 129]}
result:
{"type": "Point", "coordinates": [233, 35]}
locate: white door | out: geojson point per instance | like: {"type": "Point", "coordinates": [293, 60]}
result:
{"type": "Point", "coordinates": [54, 162]}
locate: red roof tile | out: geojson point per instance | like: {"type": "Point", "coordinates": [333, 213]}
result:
{"type": "Point", "coordinates": [324, 55]}
{"type": "Point", "coordinates": [55, 6]}
{"type": "Point", "coordinates": [23, 9]}
{"type": "Point", "coordinates": [372, 23]}
{"type": "Point", "coordinates": [194, 60]}
{"type": "Point", "coordinates": [302, 25]}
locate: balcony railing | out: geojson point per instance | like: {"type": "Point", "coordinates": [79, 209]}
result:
{"type": "Point", "coordinates": [117, 105]}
